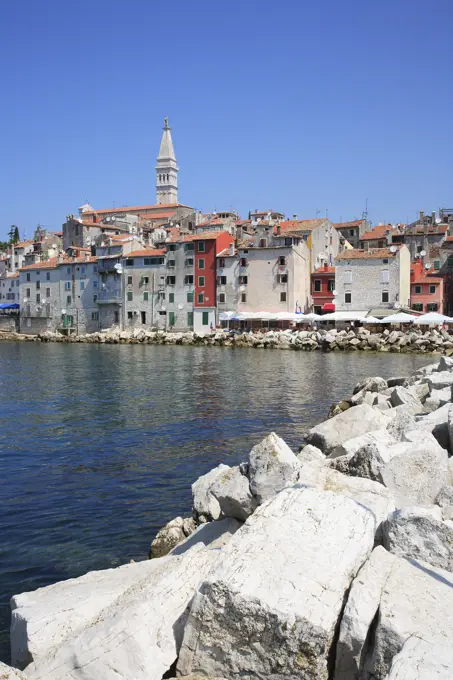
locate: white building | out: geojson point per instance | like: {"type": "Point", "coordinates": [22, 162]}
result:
{"type": "Point", "coordinates": [375, 279]}
{"type": "Point", "coordinates": [79, 290]}
{"type": "Point", "coordinates": [39, 290]}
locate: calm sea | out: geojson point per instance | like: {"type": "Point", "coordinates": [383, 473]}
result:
{"type": "Point", "coordinates": [99, 444]}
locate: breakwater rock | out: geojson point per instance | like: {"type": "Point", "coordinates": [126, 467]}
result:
{"type": "Point", "coordinates": [334, 562]}
{"type": "Point", "coordinates": [333, 340]}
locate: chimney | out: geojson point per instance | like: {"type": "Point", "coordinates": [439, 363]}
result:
{"type": "Point", "coordinates": [279, 230]}
{"type": "Point", "coordinates": [433, 217]}
{"type": "Point", "coordinates": [422, 217]}
{"type": "Point", "coordinates": [326, 266]}
{"type": "Point", "coordinates": [231, 248]}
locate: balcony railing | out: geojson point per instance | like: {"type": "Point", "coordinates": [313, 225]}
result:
{"type": "Point", "coordinates": [107, 265]}
{"type": "Point", "coordinates": [109, 296]}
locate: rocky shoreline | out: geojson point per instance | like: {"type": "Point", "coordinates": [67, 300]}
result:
{"type": "Point", "coordinates": [332, 563]}
{"type": "Point", "coordinates": [360, 339]}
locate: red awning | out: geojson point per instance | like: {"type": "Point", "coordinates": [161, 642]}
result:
{"type": "Point", "coordinates": [328, 307]}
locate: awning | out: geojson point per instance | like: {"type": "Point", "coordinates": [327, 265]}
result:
{"type": "Point", "coordinates": [7, 305]}
{"type": "Point", "coordinates": [328, 307]}
{"type": "Point", "coordinates": [401, 317]}
{"type": "Point", "coordinates": [344, 316]}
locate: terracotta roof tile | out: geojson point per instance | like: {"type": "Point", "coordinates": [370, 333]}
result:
{"type": "Point", "coordinates": [372, 254]}
{"type": "Point", "coordinates": [324, 270]}
{"type": "Point", "coordinates": [378, 232]}
{"type": "Point", "coordinates": [343, 225]}
{"type": "Point", "coordinates": [132, 208]}
{"type": "Point", "coordinates": [146, 252]}
{"type": "Point", "coordinates": [47, 264]}
{"type": "Point", "coordinates": [301, 225]}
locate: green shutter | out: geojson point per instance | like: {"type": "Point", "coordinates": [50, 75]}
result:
{"type": "Point", "coordinates": [190, 297]}
{"type": "Point", "coordinates": [171, 318]}
{"type": "Point", "coordinates": [205, 318]}
{"type": "Point", "coordinates": [190, 319]}
{"type": "Point", "coordinates": [171, 297]}
{"type": "Point", "coordinates": [129, 297]}
{"type": "Point", "coordinates": [145, 296]}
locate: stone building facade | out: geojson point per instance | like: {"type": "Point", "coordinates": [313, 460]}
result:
{"type": "Point", "coordinates": [352, 231]}
{"type": "Point", "coordinates": [79, 290]}
{"type": "Point", "coordinates": [39, 289]}
{"type": "Point", "coordinates": [373, 279]}
{"type": "Point", "coordinates": [144, 282]}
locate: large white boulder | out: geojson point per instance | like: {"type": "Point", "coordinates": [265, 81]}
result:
{"type": "Point", "coordinates": [270, 607]}
{"type": "Point", "coordinates": [310, 453]}
{"type": "Point", "coordinates": [420, 533]}
{"type": "Point", "coordinates": [8, 673]}
{"type": "Point", "coordinates": [417, 473]}
{"type": "Point", "coordinates": [445, 364]}
{"type": "Point", "coordinates": [444, 500]}
{"type": "Point", "coordinates": [205, 506]}
{"type": "Point", "coordinates": [170, 535]}
{"type": "Point", "coordinates": [437, 423]}
{"type": "Point", "coordinates": [213, 535]}
{"type": "Point", "coordinates": [421, 660]}
{"type": "Point", "coordinates": [232, 491]}
{"type": "Point", "coordinates": [438, 381]}
{"type": "Point", "coordinates": [358, 420]}
{"type": "Point", "coordinates": [401, 396]}
{"type": "Point", "coordinates": [139, 634]}
{"type": "Point", "coordinates": [272, 466]}
{"type": "Point", "coordinates": [376, 384]}
{"type": "Point", "coordinates": [349, 447]}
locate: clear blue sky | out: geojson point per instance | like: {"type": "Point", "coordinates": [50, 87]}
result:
{"type": "Point", "coordinates": [294, 105]}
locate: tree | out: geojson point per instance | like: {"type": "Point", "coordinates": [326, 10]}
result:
{"type": "Point", "coordinates": [14, 234]}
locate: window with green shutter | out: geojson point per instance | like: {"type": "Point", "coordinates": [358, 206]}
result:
{"type": "Point", "coordinates": [145, 296]}
{"type": "Point", "coordinates": [190, 319]}
{"type": "Point", "coordinates": [171, 297]}
{"type": "Point", "coordinates": [190, 297]}
{"type": "Point", "coordinates": [130, 296]}
{"type": "Point", "coordinates": [205, 318]}
{"type": "Point", "coordinates": [436, 264]}
{"type": "Point", "coordinates": [171, 318]}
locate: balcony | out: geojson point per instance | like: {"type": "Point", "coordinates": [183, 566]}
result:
{"type": "Point", "coordinates": [107, 265]}
{"type": "Point", "coordinates": [106, 297]}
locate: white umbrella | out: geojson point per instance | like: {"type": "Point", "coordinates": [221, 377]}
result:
{"type": "Point", "coordinates": [285, 316]}
{"type": "Point", "coordinates": [433, 317]}
{"type": "Point", "coordinates": [313, 317]}
{"type": "Point", "coordinates": [266, 315]}
{"type": "Point", "coordinates": [226, 316]}
{"type": "Point", "coordinates": [371, 319]}
{"type": "Point", "coordinates": [244, 316]}
{"type": "Point", "coordinates": [401, 317]}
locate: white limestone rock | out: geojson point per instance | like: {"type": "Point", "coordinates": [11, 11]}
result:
{"type": "Point", "coordinates": [310, 453]}
{"type": "Point", "coordinates": [401, 422]}
{"type": "Point", "coordinates": [360, 610]}
{"type": "Point", "coordinates": [402, 397]}
{"type": "Point", "coordinates": [212, 535]}
{"type": "Point", "coordinates": [205, 506]}
{"type": "Point", "coordinates": [416, 474]}
{"type": "Point", "coordinates": [272, 466]}
{"type": "Point", "coordinates": [437, 399]}
{"type": "Point", "coordinates": [168, 537]}
{"type": "Point", "coordinates": [369, 460]}
{"type": "Point", "coordinates": [349, 447]}
{"type": "Point", "coordinates": [438, 381]}
{"type": "Point", "coordinates": [273, 612]}
{"type": "Point", "coordinates": [8, 673]}
{"type": "Point", "coordinates": [445, 364]}
{"type": "Point", "coordinates": [356, 421]}
{"type": "Point", "coordinates": [421, 660]}
{"type": "Point", "coordinates": [420, 391]}
{"type": "Point", "coordinates": [139, 635]}
{"type": "Point", "coordinates": [444, 500]}
{"type": "Point", "coordinates": [437, 424]}
{"type": "Point", "coordinates": [232, 491]}
{"type": "Point", "coordinates": [376, 384]}
{"type": "Point", "coordinates": [420, 533]}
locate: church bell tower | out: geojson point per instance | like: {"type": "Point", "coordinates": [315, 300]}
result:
{"type": "Point", "coordinates": [166, 169]}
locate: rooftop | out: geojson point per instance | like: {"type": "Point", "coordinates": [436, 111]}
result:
{"type": "Point", "coordinates": [147, 252]}
{"type": "Point", "coordinates": [372, 254]}
{"type": "Point", "coordinates": [378, 232]}
{"type": "Point", "coordinates": [134, 208]}
{"type": "Point", "coordinates": [301, 225]}
{"type": "Point", "coordinates": [344, 225]}
{"type": "Point", "coordinates": [324, 270]}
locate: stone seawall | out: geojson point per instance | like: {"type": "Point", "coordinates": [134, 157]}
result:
{"type": "Point", "coordinates": [360, 339]}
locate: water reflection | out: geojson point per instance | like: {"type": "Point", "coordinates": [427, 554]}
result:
{"type": "Point", "coordinates": [99, 443]}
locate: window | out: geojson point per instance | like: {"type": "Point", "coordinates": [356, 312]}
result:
{"type": "Point", "coordinates": [38, 298]}
{"type": "Point", "coordinates": [82, 285]}
{"type": "Point", "coordinates": [221, 297]}
{"type": "Point", "coordinates": [288, 241]}
{"type": "Point", "coordinates": [348, 276]}
{"type": "Point", "coordinates": [331, 285]}
{"type": "Point", "coordinates": [171, 297]}
{"type": "Point", "coordinates": [449, 264]}
{"type": "Point", "coordinates": [116, 316]}
{"type": "Point", "coordinates": [431, 307]}
{"type": "Point", "coordinates": [130, 296]}
{"type": "Point", "coordinates": [436, 264]}
{"type": "Point", "coordinates": [68, 270]}
{"type": "Point", "coordinates": [145, 280]}
{"type": "Point", "coordinates": [221, 262]}
{"type": "Point", "coordinates": [171, 247]}
{"type": "Point", "coordinates": [243, 297]}
{"type": "Point", "coordinates": [143, 317]}
{"type": "Point", "coordinates": [190, 319]}
{"type": "Point", "coordinates": [27, 293]}
{"type": "Point", "coordinates": [171, 263]}
{"type": "Point", "coordinates": [243, 261]}
{"type": "Point", "coordinates": [94, 316]}
{"type": "Point", "coordinates": [67, 285]}
{"type": "Point", "coordinates": [201, 263]}
{"type": "Point", "coordinates": [27, 310]}
{"type": "Point", "coordinates": [171, 280]}
{"type": "Point", "coordinates": [385, 276]}
{"type": "Point", "coordinates": [348, 298]}
{"type": "Point", "coordinates": [201, 248]}
{"type": "Point", "coordinates": [28, 277]}
{"type": "Point", "coordinates": [201, 281]}
{"type": "Point", "coordinates": [200, 298]}
{"type": "Point", "coordinates": [221, 280]}
{"type": "Point", "coordinates": [282, 297]}
{"type": "Point", "coordinates": [95, 269]}
{"type": "Point", "coordinates": [129, 315]}
{"type": "Point", "coordinates": [385, 261]}
{"type": "Point", "coordinates": [129, 280]}
{"type": "Point", "coordinates": [351, 232]}
{"type": "Point", "coordinates": [189, 246]}
{"type": "Point", "coordinates": [417, 290]}
{"type": "Point", "coordinates": [188, 280]}
{"type": "Point", "coordinates": [385, 296]}
{"type": "Point", "coordinates": [417, 307]}
{"type": "Point", "coordinates": [161, 295]}
{"type": "Point", "coordinates": [68, 299]}
{"type": "Point", "coordinates": [190, 297]}
{"type": "Point", "coordinates": [263, 242]}
{"type": "Point", "coordinates": [419, 249]}
{"type": "Point", "coordinates": [95, 298]}
{"type": "Point", "coordinates": [432, 290]}
{"type": "Point", "coordinates": [130, 262]}
{"type": "Point", "coordinates": [282, 278]}
{"type": "Point", "coordinates": [205, 319]}
{"type": "Point", "coordinates": [47, 276]}
{"type": "Point", "coordinates": [282, 261]}
{"type": "Point", "coordinates": [317, 285]}
{"type": "Point", "coordinates": [47, 292]}
{"type": "Point", "coordinates": [243, 280]}
{"type": "Point", "coordinates": [153, 260]}
{"type": "Point", "coordinates": [145, 296]}
{"type": "Point", "coordinates": [38, 285]}
{"type": "Point", "coordinates": [95, 284]}
{"type": "Point", "coordinates": [188, 262]}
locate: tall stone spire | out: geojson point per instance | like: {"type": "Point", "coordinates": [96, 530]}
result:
{"type": "Point", "coordinates": [166, 169]}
